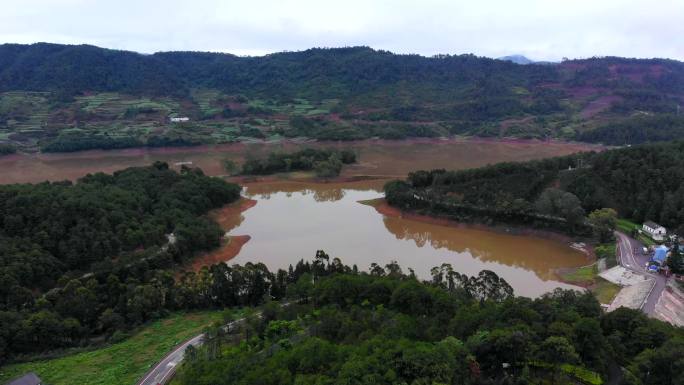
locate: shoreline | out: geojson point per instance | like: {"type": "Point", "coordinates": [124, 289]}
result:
{"type": "Point", "coordinates": [306, 178]}
{"type": "Point", "coordinates": [231, 245]}
{"type": "Point", "coordinates": [142, 150]}
{"type": "Point", "coordinates": [382, 207]}
{"type": "Point", "coordinates": [227, 251]}
{"type": "Point", "coordinates": [231, 211]}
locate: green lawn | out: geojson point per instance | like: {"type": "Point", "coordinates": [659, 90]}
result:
{"type": "Point", "coordinates": [121, 363]}
{"type": "Point", "coordinates": [588, 277]}
{"type": "Point", "coordinates": [604, 291]}
{"type": "Point", "coordinates": [627, 226]}
{"type": "Point", "coordinates": [581, 276]}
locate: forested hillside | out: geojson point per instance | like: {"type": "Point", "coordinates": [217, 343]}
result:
{"type": "Point", "coordinates": [643, 182]}
{"type": "Point", "coordinates": [74, 258]}
{"type": "Point", "coordinates": [386, 327]}
{"type": "Point", "coordinates": [68, 98]}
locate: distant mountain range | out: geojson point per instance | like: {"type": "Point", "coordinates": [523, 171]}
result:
{"type": "Point", "coordinates": [336, 93]}
{"type": "Point", "coordinates": [517, 59]}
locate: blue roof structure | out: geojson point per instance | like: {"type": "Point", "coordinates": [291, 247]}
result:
{"type": "Point", "coordinates": [660, 254]}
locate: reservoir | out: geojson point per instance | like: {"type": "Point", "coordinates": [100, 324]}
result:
{"type": "Point", "coordinates": [291, 220]}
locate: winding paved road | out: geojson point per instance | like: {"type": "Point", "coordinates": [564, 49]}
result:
{"type": "Point", "coordinates": [636, 261]}
{"type": "Point", "coordinates": [161, 373]}
{"type": "Point", "coordinates": [165, 369]}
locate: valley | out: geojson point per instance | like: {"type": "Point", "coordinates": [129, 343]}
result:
{"type": "Point", "coordinates": [339, 216]}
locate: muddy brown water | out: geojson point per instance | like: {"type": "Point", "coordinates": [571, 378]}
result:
{"type": "Point", "coordinates": [293, 219]}
{"type": "Point", "coordinates": [376, 157]}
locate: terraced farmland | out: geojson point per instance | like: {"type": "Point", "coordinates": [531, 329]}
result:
{"type": "Point", "coordinates": [295, 106]}
{"type": "Point", "coordinates": [116, 106]}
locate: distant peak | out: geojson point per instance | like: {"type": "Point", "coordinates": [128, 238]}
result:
{"type": "Point", "coordinates": [517, 59]}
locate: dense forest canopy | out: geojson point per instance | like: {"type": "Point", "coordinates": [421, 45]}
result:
{"type": "Point", "coordinates": [639, 129]}
{"type": "Point", "coordinates": [319, 72]}
{"type": "Point", "coordinates": [644, 182]}
{"type": "Point", "coordinates": [324, 73]}
{"type": "Point", "coordinates": [67, 98]}
{"type": "Point", "coordinates": [56, 237]}
{"type": "Point", "coordinates": [386, 327]}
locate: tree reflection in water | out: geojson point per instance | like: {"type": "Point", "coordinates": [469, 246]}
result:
{"type": "Point", "coordinates": [540, 255]}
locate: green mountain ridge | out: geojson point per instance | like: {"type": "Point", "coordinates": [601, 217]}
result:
{"type": "Point", "coordinates": [90, 97]}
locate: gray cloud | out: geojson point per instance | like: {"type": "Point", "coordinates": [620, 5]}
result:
{"type": "Point", "coordinates": [540, 29]}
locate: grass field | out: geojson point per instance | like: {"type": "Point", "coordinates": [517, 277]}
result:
{"type": "Point", "coordinates": [581, 276]}
{"type": "Point", "coordinates": [604, 290]}
{"type": "Point", "coordinates": [120, 363]}
{"type": "Point", "coordinates": [628, 227]}
{"type": "Point", "coordinates": [587, 276]}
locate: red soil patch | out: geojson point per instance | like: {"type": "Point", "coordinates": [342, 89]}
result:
{"type": "Point", "coordinates": [236, 106]}
{"type": "Point", "coordinates": [635, 72]}
{"type": "Point", "coordinates": [225, 253]}
{"type": "Point", "coordinates": [600, 104]}
{"type": "Point", "coordinates": [227, 216]}
{"type": "Point", "coordinates": [510, 122]}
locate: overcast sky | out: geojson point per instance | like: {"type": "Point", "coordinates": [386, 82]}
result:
{"type": "Point", "coordinates": [539, 29]}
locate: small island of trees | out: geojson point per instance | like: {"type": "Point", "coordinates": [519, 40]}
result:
{"type": "Point", "coordinates": [325, 163]}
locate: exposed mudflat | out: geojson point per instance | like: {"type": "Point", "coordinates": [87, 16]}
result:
{"type": "Point", "coordinates": [377, 158]}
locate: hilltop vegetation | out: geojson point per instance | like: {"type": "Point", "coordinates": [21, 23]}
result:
{"type": "Point", "coordinates": [386, 327]}
{"type": "Point", "coordinates": [66, 98]}
{"type": "Point", "coordinates": [77, 260]}
{"type": "Point", "coordinates": [642, 183]}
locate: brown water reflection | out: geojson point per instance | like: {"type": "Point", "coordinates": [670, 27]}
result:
{"type": "Point", "coordinates": [377, 157]}
{"type": "Point", "coordinates": [540, 255]}
{"type": "Point", "coordinates": [291, 220]}
{"type": "Point", "coordinates": [320, 191]}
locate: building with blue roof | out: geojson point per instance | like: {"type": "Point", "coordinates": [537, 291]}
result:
{"type": "Point", "coordinates": [660, 254]}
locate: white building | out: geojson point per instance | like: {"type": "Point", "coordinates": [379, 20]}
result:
{"type": "Point", "coordinates": [180, 119]}
{"type": "Point", "coordinates": [654, 230]}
